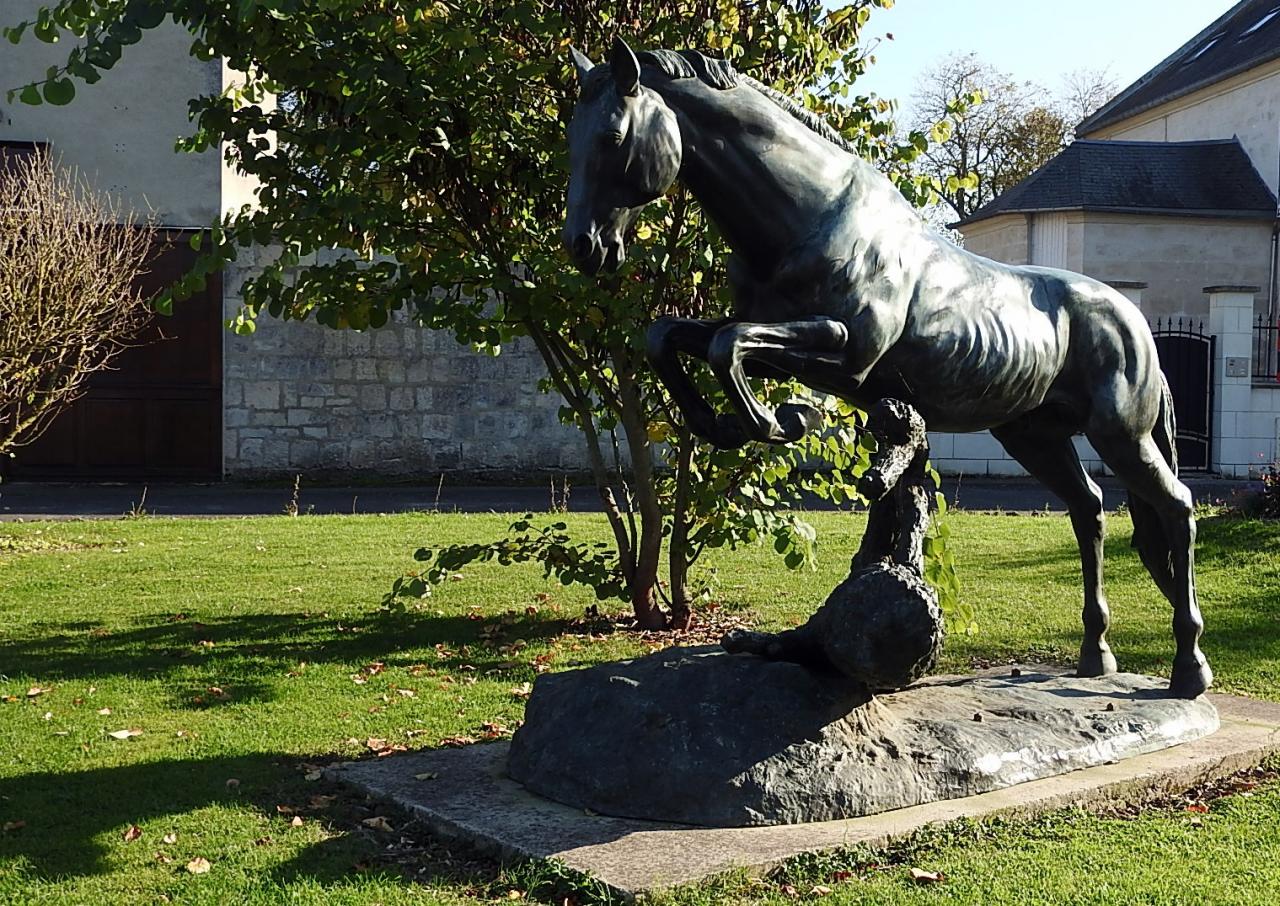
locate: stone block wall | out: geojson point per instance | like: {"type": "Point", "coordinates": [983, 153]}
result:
{"type": "Point", "coordinates": [398, 401]}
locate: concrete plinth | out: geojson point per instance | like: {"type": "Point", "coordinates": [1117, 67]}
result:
{"type": "Point", "coordinates": [471, 798]}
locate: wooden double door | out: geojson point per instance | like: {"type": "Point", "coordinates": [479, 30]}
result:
{"type": "Point", "coordinates": [157, 413]}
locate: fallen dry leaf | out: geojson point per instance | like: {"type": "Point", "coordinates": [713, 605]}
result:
{"type": "Point", "coordinates": [14, 825]}
{"type": "Point", "coordinates": [313, 776]}
{"type": "Point", "coordinates": [170, 838]}
{"type": "Point", "coordinates": [163, 859]}
{"type": "Point", "coordinates": [1198, 808]}
{"type": "Point", "coordinates": [199, 866]}
{"type": "Point", "coordinates": [429, 775]}
{"type": "Point", "coordinates": [104, 711]}
{"type": "Point", "coordinates": [377, 822]}
{"type": "Point", "coordinates": [524, 690]}
{"type": "Point", "coordinates": [125, 734]}
{"type": "Point", "coordinates": [219, 693]}
{"type": "Point", "coordinates": [232, 783]}
{"type": "Point", "coordinates": [296, 822]}
{"type": "Point", "coordinates": [819, 890]}
{"type": "Point", "coordinates": [133, 833]}
{"type": "Point", "coordinates": [927, 877]}
{"type": "Point", "coordinates": [407, 693]}
{"type": "Point", "coordinates": [36, 690]}
{"type": "Point", "coordinates": [262, 841]}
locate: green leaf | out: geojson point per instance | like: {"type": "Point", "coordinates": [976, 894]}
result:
{"type": "Point", "coordinates": [60, 92]}
{"type": "Point", "coordinates": [31, 95]}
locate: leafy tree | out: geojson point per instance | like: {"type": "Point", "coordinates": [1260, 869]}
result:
{"type": "Point", "coordinates": [426, 137]}
{"type": "Point", "coordinates": [70, 259]}
{"type": "Point", "coordinates": [990, 131]}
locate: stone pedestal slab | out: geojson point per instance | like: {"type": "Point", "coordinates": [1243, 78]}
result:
{"type": "Point", "coordinates": [470, 797]}
{"type": "Point", "coordinates": [698, 736]}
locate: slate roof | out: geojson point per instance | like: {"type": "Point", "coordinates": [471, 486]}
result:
{"type": "Point", "coordinates": [1245, 36]}
{"type": "Point", "coordinates": [1205, 179]}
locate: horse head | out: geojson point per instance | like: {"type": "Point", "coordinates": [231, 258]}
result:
{"type": "Point", "coordinates": [624, 152]}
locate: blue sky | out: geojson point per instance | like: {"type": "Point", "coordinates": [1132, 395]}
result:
{"type": "Point", "coordinates": [1036, 40]}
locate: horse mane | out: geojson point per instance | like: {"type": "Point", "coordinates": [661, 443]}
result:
{"type": "Point", "coordinates": [720, 74]}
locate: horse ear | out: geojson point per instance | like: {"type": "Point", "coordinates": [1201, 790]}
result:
{"type": "Point", "coordinates": [581, 62]}
{"type": "Point", "coordinates": [626, 69]}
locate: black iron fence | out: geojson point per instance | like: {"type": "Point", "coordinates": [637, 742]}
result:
{"type": "Point", "coordinates": [1186, 357]}
{"type": "Point", "coordinates": [1266, 351]}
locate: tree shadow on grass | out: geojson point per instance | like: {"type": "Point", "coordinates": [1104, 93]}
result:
{"type": "Point", "coordinates": [74, 822]}
{"type": "Point", "coordinates": [265, 644]}
{"type": "Point", "coordinates": [1242, 626]}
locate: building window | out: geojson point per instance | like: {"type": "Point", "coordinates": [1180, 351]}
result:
{"type": "Point", "coordinates": [1261, 22]}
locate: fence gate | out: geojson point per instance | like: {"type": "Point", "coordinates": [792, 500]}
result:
{"type": "Point", "coordinates": [1186, 357]}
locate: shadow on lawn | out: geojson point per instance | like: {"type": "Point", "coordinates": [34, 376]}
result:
{"type": "Point", "coordinates": [75, 822]}
{"type": "Point", "coordinates": [260, 644]}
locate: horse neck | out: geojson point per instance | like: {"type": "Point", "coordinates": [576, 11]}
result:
{"type": "Point", "coordinates": [760, 174]}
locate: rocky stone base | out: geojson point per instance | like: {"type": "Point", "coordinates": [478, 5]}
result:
{"type": "Point", "coordinates": [698, 736]}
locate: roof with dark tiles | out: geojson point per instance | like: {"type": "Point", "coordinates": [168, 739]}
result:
{"type": "Point", "coordinates": [1245, 36]}
{"type": "Point", "coordinates": [1204, 179]}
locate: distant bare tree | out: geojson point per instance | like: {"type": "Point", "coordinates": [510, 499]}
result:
{"type": "Point", "coordinates": [1084, 91]}
{"type": "Point", "coordinates": [986, 148]}
{"type": "Point", "coordinates": [70, 259]}
{"type": "Point", "coordinates": [1013, 129]}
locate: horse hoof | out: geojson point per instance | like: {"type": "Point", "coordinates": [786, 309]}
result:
{"type": "Point", "coordinates": [1191, 678]}
{"type": "Point", "coordinates": [796, 420]}
{"type": "Point", "coordinates": [1096, 660]}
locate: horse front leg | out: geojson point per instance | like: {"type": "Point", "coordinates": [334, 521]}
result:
{"type": "Point", "coordinates": [666, 340]}
{"type": "Point", "coordinates": [788, 348]}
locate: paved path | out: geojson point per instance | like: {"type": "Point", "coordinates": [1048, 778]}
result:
{"type": "Point", "coordinates": [34, 500]}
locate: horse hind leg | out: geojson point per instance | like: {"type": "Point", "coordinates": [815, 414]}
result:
{"type": "Point", "coordinates": [1164, 523]}
{"type": "Point", "coordinates": [1051, 459]}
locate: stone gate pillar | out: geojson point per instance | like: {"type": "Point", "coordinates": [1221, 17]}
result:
{"type": "Point", "coordinates": [1231, 321]}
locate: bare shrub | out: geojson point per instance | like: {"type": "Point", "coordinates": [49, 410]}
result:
{"type": "Point", "coordinates": [70, 259]}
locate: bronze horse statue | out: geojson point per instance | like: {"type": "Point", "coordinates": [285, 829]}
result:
{"type": "Point", "coordinates": [840, 284]}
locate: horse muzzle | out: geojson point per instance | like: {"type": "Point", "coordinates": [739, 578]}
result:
{"type": "Point", "coordinates": [591, 255]}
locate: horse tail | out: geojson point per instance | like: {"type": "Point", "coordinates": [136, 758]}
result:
{"type": "Point", "coordinates": [1148, 531]}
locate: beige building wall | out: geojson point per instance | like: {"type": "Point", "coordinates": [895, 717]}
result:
{"type": "Point", "coordinates": [1004, 238]}
{"type": "Point", "coordinates": [120, 132]}
{"type": "Point", "coordinates": [1247, 105]}
{"type": "Point", "coordinates": [1176, 256]}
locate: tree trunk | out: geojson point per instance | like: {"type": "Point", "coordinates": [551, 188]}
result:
{"type": "Point", "coordinates": [644, 588]}
{"type": "Point", "coordinates": [680, 558]}
{"type": "Point", "coordinates": [643, 599]}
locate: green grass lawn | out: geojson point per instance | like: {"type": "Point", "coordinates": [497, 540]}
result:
{"type": "Point", "coordinates": [248, 651]}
